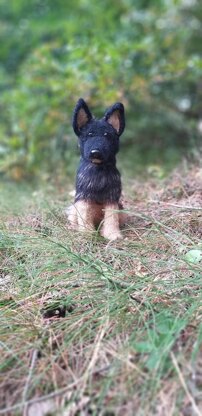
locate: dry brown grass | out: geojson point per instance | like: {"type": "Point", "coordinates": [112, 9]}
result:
{"type": "Point", "coordinates": [91, 327]}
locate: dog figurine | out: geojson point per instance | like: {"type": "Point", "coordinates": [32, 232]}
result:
{"type": "Point", "coordinates": [98, 182]}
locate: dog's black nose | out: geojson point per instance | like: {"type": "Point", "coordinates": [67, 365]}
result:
{"type": "Point", "coordinates": [95, 154]}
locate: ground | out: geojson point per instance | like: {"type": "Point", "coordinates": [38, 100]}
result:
{"type": "Point", "coordinates": [90, 327]}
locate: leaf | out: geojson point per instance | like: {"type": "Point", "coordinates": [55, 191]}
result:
{"type": "Point", "coordinates": [153, 360]}
{"type": "Point", "coordinates": [144, 347]}
{"type": "Point", "coordinates": [194, 256]}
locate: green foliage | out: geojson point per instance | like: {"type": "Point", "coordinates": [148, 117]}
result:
{"type": "Point", "coordinates": [159, 339]}
{"type": "Point", "coordinates": [146, 54]}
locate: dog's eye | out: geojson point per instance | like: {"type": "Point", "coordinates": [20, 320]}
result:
{"type": "Point", "coordinates": [90, 134]}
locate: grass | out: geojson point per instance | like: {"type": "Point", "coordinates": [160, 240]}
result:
{"type": "Point", "coordinates": [96, 328]}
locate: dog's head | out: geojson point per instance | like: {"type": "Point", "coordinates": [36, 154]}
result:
{"type": "Point", "coordinates": [98, 139]}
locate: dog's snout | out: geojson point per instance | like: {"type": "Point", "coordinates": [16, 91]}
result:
{"type": "Point", "coordinates": [95, 154]}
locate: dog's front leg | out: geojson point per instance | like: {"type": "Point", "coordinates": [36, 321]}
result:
{"type": "Point", "coordinates": [72, 216]}
{"type": "Point", "coordinates": [110, 228]}
{"type": "Point", "coordinates": [85, 218]}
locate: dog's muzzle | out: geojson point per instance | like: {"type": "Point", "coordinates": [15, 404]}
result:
{"type": "Point", "coordinates": [96, 157]}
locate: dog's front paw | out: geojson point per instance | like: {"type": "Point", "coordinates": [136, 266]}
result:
{"type": "Point", "coordinates": [111, 235]}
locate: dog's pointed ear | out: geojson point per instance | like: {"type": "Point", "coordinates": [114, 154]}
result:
{"type": "Point", "coordinates": [116, 117]}
{"type": "Point", "coordinates": [81, 116]}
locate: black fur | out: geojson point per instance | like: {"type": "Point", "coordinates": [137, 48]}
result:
{"type": "Point", "coordinates": [98, 179]}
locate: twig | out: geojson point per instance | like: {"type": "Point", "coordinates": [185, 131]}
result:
{"type": "Point", "coordinates": [91, 364]}
{"type": "Point", "coordinates": [183, 383]}
{"type": "Point", "coordinates": [176, 205]}
{"type": "Point", "coordinates": [120, 283]}
{"type": "Point", "coordinates": [39, 399]}
{"type": "Point", "coordinates": [33, 361]}
{"type": "Point", "coordinates": [182, 269]}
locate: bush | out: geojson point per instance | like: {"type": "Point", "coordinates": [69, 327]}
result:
{"type": "Point", "coordinates": [145, 55]}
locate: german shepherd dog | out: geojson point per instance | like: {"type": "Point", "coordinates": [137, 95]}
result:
{"type": "Point", "coordinates": [98, 182]}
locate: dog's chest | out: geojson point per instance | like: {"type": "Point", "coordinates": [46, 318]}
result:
{"type": "Point", "coordinates": [99, 184]}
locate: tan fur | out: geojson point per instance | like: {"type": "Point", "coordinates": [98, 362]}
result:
{"type": "Point", "coordinates": [86, 215]}
{"type": "Point", "coordinates": [110, 227]}
{"type": "Point", "coordinates": [114, 120]}
{"type": "Point", "coordinates": [82, 118]}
